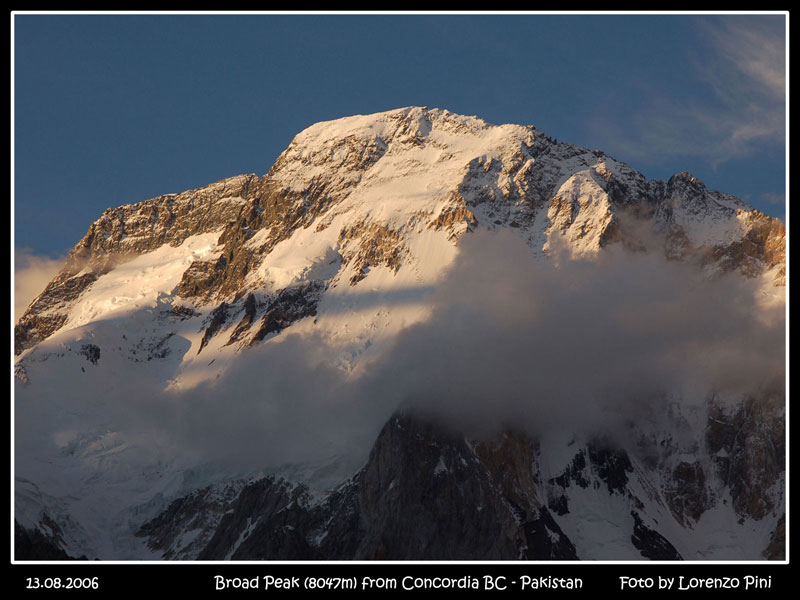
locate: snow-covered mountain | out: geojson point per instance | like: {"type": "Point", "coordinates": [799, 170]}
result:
{"type": "Point", "coordinates": [186, 330]}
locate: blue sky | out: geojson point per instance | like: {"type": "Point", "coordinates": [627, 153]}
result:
{"type": "Point", "coordinates": [115, 109]}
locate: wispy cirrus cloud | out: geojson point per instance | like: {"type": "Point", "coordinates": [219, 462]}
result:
{"type": "Point", "coordinates": [747, 73]}
{"type": "Point", "coordinates": [754, 51]}
{"type": "Point", "coordinates": [731, 106]}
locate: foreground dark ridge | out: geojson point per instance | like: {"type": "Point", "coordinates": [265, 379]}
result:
{"type": "Point", "coordinates": [429, 493]}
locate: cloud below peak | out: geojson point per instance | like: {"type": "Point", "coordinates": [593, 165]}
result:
{"type": "Point", "coordinates": [32, 273]}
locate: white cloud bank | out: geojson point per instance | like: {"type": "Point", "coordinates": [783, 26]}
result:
{"type": "Point", "coordinates": [584, 348]}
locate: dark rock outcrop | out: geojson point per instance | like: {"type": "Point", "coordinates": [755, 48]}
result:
{"type": "Point", "coordinates": [290, 305]}
{"type": "Point", "coordinates": [426, 493]}
{"type": "Point", "coordinates": [776, 550]}
{"type": "Point", "coordinates": [268, 520]}
{"type": "Point", "coordinates": [91, 352]}
{"type": "Point", "coordinates": [33, 544]}
{"type": "Point", "coordinates": [650, 543]}
{"type": "Point", "coordinates": [218, 317]}
{"type": "Point", "coordinates": [250, 309]}
{"type": "Point", "coordinates": [612, 466]}
{"type": "Point", "coordinates": [687, 494]}
{"type": "Point", "coordinates": [748, 445]}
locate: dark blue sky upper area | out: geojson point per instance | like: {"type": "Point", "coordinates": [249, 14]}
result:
{"type": "Point", "coordinates": [111, 110]}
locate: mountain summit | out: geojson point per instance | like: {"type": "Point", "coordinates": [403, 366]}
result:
{"type": "Point", "coordinates": [344, 245]}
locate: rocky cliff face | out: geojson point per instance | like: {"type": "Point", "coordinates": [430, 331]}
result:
{"type": "Point", "coordinates": [342, 239]}
{"type": "Point", "coordinates": [429, 493]}
{"type": "Point", "coordinates": [426, 493]}
{"type": "Point", "coordinates": [126, 232]}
